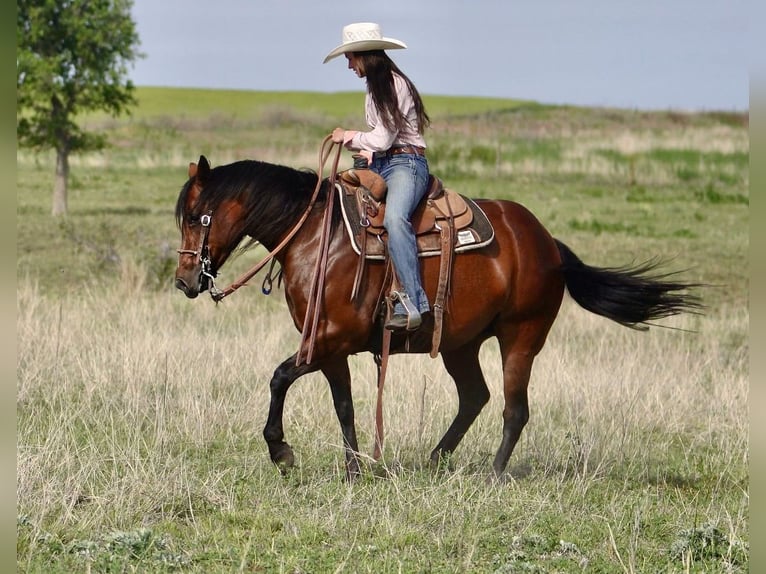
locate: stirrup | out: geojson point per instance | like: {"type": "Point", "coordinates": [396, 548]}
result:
{"type": "Point", "coordinates": [405, 300]}
{"type": "Point", "coordinates": [397, 321]}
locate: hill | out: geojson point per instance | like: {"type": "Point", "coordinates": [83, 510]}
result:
{"type": "Point", "coordinates": [623, 184]}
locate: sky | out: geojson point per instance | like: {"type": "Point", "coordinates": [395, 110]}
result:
{"type": "Point", "coordinates": [636, 54]}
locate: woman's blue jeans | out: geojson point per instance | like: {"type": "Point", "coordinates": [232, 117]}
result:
{"type": "Point", "coordinates": [407, 179]}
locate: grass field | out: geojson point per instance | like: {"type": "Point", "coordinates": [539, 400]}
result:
{"type": "Point", "coordinates": [139, 412]}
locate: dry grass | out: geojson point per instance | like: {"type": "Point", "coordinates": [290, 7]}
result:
{"type": "Point", "coordinates": [146, 408]}
{"type": "Point", "coordinates": [190, 372]}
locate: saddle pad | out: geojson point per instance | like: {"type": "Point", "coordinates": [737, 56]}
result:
{"type": "Point", "coordinates": [479, 234]}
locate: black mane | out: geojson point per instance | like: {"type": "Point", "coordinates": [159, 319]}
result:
{"type": "Point", "coordinates": [273, 196]}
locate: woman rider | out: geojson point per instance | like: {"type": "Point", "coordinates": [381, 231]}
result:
{"type": "Point", "coordinates": [394, 148]}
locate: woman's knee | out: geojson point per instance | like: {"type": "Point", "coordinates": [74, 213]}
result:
{"type": "Point", "coordinates": [395, 222]}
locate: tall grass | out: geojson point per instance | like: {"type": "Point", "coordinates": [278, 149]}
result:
{"type": "Point", "coordinates": [139, 408]}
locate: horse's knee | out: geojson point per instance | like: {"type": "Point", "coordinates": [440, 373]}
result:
{"type": "Point", "coordinates": [471, 404]}
{"type": "Point", "coordinates": [280, 380]}
{"type": "Point", "coordinates": [481, 397]}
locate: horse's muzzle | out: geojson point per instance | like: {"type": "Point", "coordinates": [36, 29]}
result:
{"type": "Point", "coordinates": [190, 292]}
{"type": "Point", "coordinates": [192, 281]}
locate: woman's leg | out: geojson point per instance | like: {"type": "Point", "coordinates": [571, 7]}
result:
{"type": "Point", "coordinates": [407, 179]}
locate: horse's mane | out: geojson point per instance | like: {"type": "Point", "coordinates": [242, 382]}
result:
{"type": "Point", "coordinates": [273, 196]}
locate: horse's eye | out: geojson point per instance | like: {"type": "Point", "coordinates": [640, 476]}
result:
{"type": "Point", "coordinates": [192, 219]}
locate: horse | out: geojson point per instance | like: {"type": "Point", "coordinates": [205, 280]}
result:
{"type": "Point", "coordinates": [510, 289]}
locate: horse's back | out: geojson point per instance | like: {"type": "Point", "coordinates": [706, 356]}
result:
{"type": "Point", "coordinates": [525, 243]}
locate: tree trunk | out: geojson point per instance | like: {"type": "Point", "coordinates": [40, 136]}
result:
{"type": "Point", "coordinates": [61, 183]}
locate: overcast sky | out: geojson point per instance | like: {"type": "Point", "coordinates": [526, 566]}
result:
{"type": "Point", "coordinates": [646, 54]}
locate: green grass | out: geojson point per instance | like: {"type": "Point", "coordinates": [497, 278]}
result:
{"type": "Point", "coordinates": [139, 413]}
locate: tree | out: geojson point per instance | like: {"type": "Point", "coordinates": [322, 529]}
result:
{"type": "Point", "coordinates": [72, 56]}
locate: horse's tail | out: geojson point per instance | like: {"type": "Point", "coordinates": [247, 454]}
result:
{"type": "Point", "coordinates": [629, 295]}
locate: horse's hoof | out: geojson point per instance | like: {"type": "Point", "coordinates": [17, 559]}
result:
{"type": "Point", "coordinates": [353, 466]}
{"type": "Point", "coordinates": [283, 458]}
{"type": "Point", "coordinates": [500, 475]}
{"type": "Point", "coordinates": [353, 472]}
{"type": "Point", "coordinates": [495, 479]}
{"type": "Point", "coordinates": [284, 467]}
{"type": "Point", "coordinates": [442, 462]}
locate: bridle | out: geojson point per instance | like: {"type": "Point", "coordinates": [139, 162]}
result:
{"type": "Point", "coordinates": [203, 252]}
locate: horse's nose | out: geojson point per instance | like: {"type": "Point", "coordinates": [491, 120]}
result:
{"type": "Point", "coordinates": [189, 292]}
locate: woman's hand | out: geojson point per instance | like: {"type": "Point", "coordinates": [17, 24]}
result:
{"type": "Point", "coordinates": [338, 134]}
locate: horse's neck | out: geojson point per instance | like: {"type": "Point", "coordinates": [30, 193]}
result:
{"type": "Point", "coordinates": [300, 254]}
{"type": "Point", "coordinates": [270, 225]}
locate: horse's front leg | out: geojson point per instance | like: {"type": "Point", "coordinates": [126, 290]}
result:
{"type": "Point", "coordinates": [339, 377]}
{"type": "Point", "coordinates": [284, 376]}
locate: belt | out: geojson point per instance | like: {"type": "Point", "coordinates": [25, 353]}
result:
{"type": "Point", "coordinates": [400, 149]}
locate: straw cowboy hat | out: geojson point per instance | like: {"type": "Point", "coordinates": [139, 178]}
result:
{"type": "Point", "coordinates": [361, 37]}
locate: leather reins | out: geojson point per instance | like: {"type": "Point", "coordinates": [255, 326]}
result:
{"type": "Point", "coordinates": [218, 294]}
{"type": "Point", "coordinates": [311, 319]}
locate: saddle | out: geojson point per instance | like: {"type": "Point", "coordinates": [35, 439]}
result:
{"type": "Point", "coordinates": [444, 223]}
{"type": "Point", "coordinates": [363, 206]}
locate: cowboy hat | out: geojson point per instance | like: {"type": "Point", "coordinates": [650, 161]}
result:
{"type": "Point", "coordinates": [362, 37]}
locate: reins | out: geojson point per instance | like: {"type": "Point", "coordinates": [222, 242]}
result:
{"type": "Point", "coordinates": [218, 294]}
{"type": "Point", "coordinates": [311, 319]}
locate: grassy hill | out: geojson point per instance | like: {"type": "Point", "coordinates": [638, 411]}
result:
{"type": "Point", "coordinates": [602, 179]}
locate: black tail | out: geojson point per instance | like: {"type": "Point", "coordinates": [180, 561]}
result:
{"type": "Point", "coordinates": [628, 295]}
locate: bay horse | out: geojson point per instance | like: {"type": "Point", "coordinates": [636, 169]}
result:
{"type": "Point", "coordinates": [510, 289]}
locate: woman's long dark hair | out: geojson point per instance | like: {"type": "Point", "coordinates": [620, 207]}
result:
{"type": "Point", "coordinates": [379, 70]}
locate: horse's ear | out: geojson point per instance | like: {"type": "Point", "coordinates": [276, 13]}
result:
{"type": "Point", "coordinates": [203, 168]}
{"type": "Point", "coordinates": [192, 169]}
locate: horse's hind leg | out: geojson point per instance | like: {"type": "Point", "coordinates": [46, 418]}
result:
{"type": "Point", "coordinates": [463, 365]}
{"type": "Point", "coordinates": [339, 377]}
{"type": "Point", "coordinates": [284, 376]}
{"type": "Point", "coordinates": [517, 367]}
